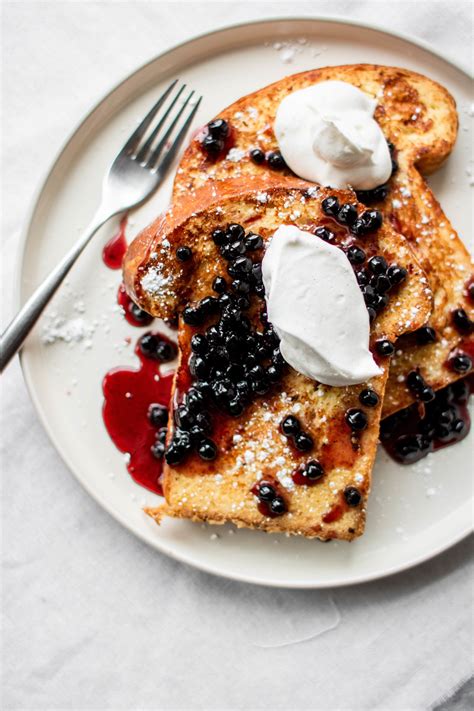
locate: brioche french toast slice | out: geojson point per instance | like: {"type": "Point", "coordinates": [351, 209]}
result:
{"type": "Point", "coordinates": [313, 480]}
{"type": "Point", "coordinates": [418, 117]}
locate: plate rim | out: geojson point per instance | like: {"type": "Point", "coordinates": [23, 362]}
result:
{"type": "Point", "coordinates": [26, 227]}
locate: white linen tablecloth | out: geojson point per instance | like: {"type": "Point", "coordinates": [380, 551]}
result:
{"type": "Point", "coordinates": [94, 619]}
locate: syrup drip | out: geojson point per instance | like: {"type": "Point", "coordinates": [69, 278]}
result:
{"type": "Point", "coordinates": [114, 251]}
{"type": "Point", "coordinates": [334, 514]}
{"type": "Point", "coordinates": [125, 302]}
{"type": "Point", "coordinates": [415, 424]}
{"type": "Point", "coordinates": [465, 347]}
{"type": "Point", "coordinates": [263, 506]}
{"type": "Point", "coordinates": [128, 394]}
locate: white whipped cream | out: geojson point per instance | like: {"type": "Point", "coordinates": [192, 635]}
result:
{"type": "Point", "coordinates": [327, 134]}
{"type": "Point", "coordinates": [315, 305]}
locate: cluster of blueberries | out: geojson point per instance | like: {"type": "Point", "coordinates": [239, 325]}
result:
{"type": "Point", "coordinates": [162, 350]}
{"type": "Point", "coordinates": [272, 159]}
{"type": "Point", "coordinates": [214, 140]}
{"type": "Point", "coordinates": [157, 348]}
{"type": "Point", "coordinates": [419, 387]}
{"type": "Point", "coordinates": [356, 418]}
{"type": "Point", "coordinates": [231, 361]}
{"type": "Point", "coordinates": [291, 428]}
{"type": "Point", "coordinates": [346, 214]}
{"type": "Point", "coordinates": [376, 280]}
{"type": "Point", "coordinates": [139, 315]}
{"type": "Point", "coordinates": [274, 503]}
{"type": "Point", "coordinates": [410, 437]}
{"type": "Point", "coordinates": [379, 277]}
{"type": "Point", "coordinates": [158, 416]}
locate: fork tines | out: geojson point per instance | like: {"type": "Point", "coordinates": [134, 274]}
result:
{"type": "Point", "coordinates": [161, 143]}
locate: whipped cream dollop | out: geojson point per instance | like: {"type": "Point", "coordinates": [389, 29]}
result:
{"type": "Point", "coordinates": [315, 305]}
{"type": "Point", "coordinates": [327, 134]}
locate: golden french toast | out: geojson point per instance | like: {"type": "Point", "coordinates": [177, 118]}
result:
{"type": "Point", "coordinates": [419, 120]}
{"type": "Point", "coordinates": [252, 440]}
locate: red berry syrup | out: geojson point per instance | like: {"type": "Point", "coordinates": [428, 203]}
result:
{"type": "Point", "coordinates": [114, 251]}
{"type": "Point", "coordinates": [128, 394]}
{"type": "Point", "coordinates": [133, 315]}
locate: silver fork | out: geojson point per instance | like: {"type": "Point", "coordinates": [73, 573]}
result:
{"type": "Point", "coordinates": [134, 175]}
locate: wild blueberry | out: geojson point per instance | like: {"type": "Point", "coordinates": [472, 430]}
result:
{"type": "Point", "coordinates": [158, 415]}
{"type": "Point", "coordinates": [209, 305]}
{"type": "Point", "coordinates": [253, 242]}
{"type": "Point", "coordinates": [415, 382]}
{"type": "Point", "coordinates": [235, 231]}
{"type": "Point", "coordinates": [356, 255]}
{"type": "Point", "coordinates": [183, 417]}
{"type": "Point", "coordinates": [184, 253]}
{"type": "Point", "coordinates": [385, 347]}
{"type": "Point", "coordinates": [275, 160]}
{"type": "Point", "coordinates": [290, 426]}
{"type": "Point", "coordinates": [158, 450]}
{"type": "Point", "coordinates": [207, 450]}
{"type": "Point", "coordinates": [426, 394]}
{"type": "Point", "coordinates": [383, 284]}
{"type": "Point", "coordinates": [219, 285]}
{"type": "Point", "coordinates": [303, 441]}
{"type": "Point", "coordinates": [212, 145]}
{"type": "Point", "coordinates": [199, 344]}
{"type": "Point", "coordinates": [367, 197]}
{"type": "Point", "coordinates": [324, 233]}
{"type": "Point", "coordinates": [377, 265]}
{"type": "Point", "coordinates": [352, 496]}
{"type": "Point", "coordinates": [277, 506]}
{"type": "Point", "coordinates": [139, 314]}
{"type": "Point", "coordinates": [193, 316]}
{"type": "Point", "coordinates": [425, 335]}
{"type": "Point", "coordinates": [266, 492]}
{"type": "Point", "coordinates": [409, 447]}
{"type": "Point", "coordinates": [219, 237]}
{"type": "Point", "coordinates": [330, 206]}
{"type": "Point", "coordinates": [347, 214]}
{"type": "Point", "coordinates": [368, 397]}
{"type": "Point", "coordinates": [356, 419]}
{"type": "Point", "coordinates": [460, 363]}
{"type": "Point", "coordinates": [257, 156]}
{"type": "Point", "coordinates": [313, 470]}
{"type": "Point", "coordinates": [235, 407]}
{"type": "Point", "coordinates": [396, 274]}
{"type": "Point", "coordinates": [462, 321]}
{"type": "Point", "coordinates": [198, 367]}
{"type": "Point", "coordinates": [218, 128]}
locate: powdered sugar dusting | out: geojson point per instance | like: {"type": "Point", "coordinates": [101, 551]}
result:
{"type": "Point", "coordinates": [235, 155]}
{"type": "Point", "coordinates": [154, 282]}
{"type": "Point", "coordinates": [74, 330]}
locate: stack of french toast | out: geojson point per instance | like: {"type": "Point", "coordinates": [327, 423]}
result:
{"type": "Point", "coordinates": [255, 436]}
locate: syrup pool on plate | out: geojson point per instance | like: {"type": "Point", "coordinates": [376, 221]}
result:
{"type": "Point", "coordinates": [411, 434]}
{"type": "Point", "coordinates": [134, 315]}
{"type": "Point", "coordinates": [129, 394]}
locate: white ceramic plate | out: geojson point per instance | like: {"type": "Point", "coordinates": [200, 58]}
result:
{"type": "Point", "coordinates": [414, 512]}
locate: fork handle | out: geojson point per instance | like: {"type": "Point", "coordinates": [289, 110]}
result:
{"type": "Point", "coordinates": [20, 327]}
